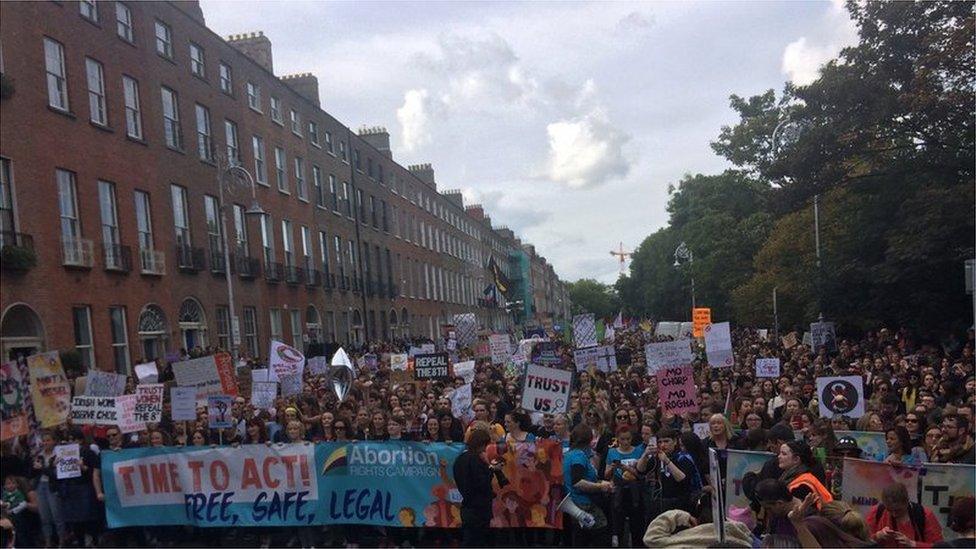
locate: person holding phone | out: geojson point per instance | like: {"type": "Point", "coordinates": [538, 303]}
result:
{"type": "Point", "coordinates": [621, 469]}
{"type": "Point", "coordinates": [673, 473]}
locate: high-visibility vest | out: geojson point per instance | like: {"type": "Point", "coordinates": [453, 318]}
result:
{"type": "Point", "coordinates": [814, 484]}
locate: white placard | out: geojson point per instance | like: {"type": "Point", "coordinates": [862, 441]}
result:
{"type": "Point", "coordinates": [841, 395]}
{"type": "Point", "coordinates": [197, 372]}
{"type": "Point", "coordinates": [285, 360]}
{"type": "Point", "coordinates": [584, 331]}
{"type": "Point", "coordinates": [500, 348]}
{"type": "Point", "coordinates": [86, 410]}
{"type": "Point", "coordinates": [149, 402]}
{"type": "Point", "coordinates": [128, 422]}
{"type": "Point", "coordinates": [104, 384]}
{"type": "Point", "coordinates": [767, 367]}
{"type": "Point", "coordinates": [184, 403]}
{"type": "Point", "coordinates": [263, 394]}
{"type": "Point", "coordinates": [67, 460]}
{"type": "Point", "coordinates": [465, 370]}
{"type": "Point", "coordinates": [667, 353]}
{"type": "Point", "coordinates": [546, 390]}
{"type": "Point", "coordinates": [718, 345]}
{"type": "Point", "coordinates": [318, 365]}
{"type": "Point", "coordinates": [291, 385]}
{"type": "Point", "coordinates": [701, 429]}
{"type": "Point", "coordinates": [147, 372]}
{"type": "Point", "coordinates": [602, 358]}
{"type": "Point", "coordinates": [398, 362]}
{"type": "Point", "coordinates": [461, 402]}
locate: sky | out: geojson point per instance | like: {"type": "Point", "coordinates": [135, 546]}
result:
{"type": "Point", "coordinates": [566, 120]}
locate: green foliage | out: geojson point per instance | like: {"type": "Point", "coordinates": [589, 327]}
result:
{"type": "Point", "coordinates": [18, 258]}
{"type": "Point", "coordinates": [589, 296]}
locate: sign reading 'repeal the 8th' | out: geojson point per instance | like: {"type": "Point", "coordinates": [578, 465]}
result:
{"type": "Point", "coordinates": [432, 367]}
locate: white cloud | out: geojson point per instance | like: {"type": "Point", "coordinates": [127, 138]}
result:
{"type": "Point", "coordinates": [414, 118]}
{"type": "Point", "coordinates": [802, 60]}
{"type": "Point", "coordinates": [586, 151]}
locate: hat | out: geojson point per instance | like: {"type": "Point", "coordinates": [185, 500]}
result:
{"type": "Point", "coordinates": [847, 444]}
{"type": "Point", "coordinates": [781, 432]}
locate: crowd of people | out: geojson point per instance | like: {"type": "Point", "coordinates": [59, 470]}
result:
{"type": "Point", "coordinates": [641, 475]}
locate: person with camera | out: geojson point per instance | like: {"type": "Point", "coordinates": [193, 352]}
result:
{"type": "Point", "coordinates": [672, 474]}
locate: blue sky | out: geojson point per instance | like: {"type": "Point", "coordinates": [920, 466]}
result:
{"type": "Point", "coordinates": [567, 120]}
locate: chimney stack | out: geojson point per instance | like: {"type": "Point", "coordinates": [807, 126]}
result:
{"type": "Point", "coordinates": [378, 138]}
{"type": "Point", "coordinates": [306, 84]}
{"type": "Point", "coordinates": [255, 45]}
{"type": "Point", "coordinates": [424, 172]}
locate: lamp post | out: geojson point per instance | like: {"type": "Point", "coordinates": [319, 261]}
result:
{"type": "Point", "coordinates": [682, 253]}
{"type": "Point", "coordinates": [223, 169]}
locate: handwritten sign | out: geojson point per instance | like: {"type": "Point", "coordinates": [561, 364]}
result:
{"type": "Point", "coordinates": [461, 402]}
{"type": "Point", "coordinates": [718, 345]}
{"type": "Point", "coordinates": [67, 461]}
{"type": "Point", "coordinates": [667, 353]}
{"type": "Point", "coordinates": [149, 402]}
{"type": "Point", "coordinates": [431, 367]}
{"type": "Point", "coordinates": [700, 317]}
{"type": "Point", "coordinates": [263, 394]}
{"type": "Point", "coordinates": [50, 391]}
{"type": "Point", "coordinates": [546, 389]}
{"type": "Point", "coordinates": [500, 348]}
{"type": "Point", "coordinates": [767, 367]}
{"type": "Point", "coordinates": [677, 390]}
{"type": "Point", "coordinates": [318, 365]}
{"type": "Point", "coordinates": [86, 410]}
{"type": "Point", "coordinates": [104, 384]}
{"type": "Point", "coordinates": [465, 370]}
{"type": "Point", "coordinates": [126, 414]}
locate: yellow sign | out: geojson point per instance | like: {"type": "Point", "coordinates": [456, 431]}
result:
{"type": "Point", "coordinates": [700, 317]}
{"type": "Point", "coordinates": [50, 391]}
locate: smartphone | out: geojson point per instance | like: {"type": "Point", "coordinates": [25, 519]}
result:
{"type": "Point", "coordinates": [652, 442]}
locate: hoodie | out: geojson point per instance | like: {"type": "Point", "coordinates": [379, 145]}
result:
{"type": "Point", "coordinates": [661, 532]}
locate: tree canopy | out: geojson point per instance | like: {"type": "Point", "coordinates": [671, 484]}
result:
{"type": "Point", "coordinates": [589, 296]}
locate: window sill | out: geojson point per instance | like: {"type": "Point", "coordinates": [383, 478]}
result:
{"type": "Point", "coordinates": [263, 183]}
{"type": "Point", "coordinates": [282, 191]}
{"type": "Point", "coordinates": [62, 112]}
{"type": "Point", "coordinates": [278, 122]}
{"type": "Point", "coordinates": [316, 145]}
{"type": "Point", "coordinates": [297, 134]}
{"type": "Point", "coordinates": [90, 21]}
{"type": "Point", "coordinates": [176, 150]}
{"type": "Point", "coordinates": [200, 77]}
{"type": "Point", "coordinates": [256, 110]}
{"type": "Point", "coordinates": [99, 126]}
{"type": "Point", "coordinates": [305, 200]}
{"type": "Point", "coordinates": [167, 58]}
{"type": "Point", "coordinates": [138, 140]}
{"type": "Point", "coordinates": [208, 162]}
{"type": "Point", "coordinates": [126, 40]}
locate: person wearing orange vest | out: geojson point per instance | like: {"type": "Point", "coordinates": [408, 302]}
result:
{"type": "Point", "coordinates": [796, 460]}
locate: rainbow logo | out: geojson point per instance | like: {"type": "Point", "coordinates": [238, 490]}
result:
{"type": "Point", "coordinates": [337, 461]}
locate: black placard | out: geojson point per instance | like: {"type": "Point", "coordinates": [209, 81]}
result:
{"type": "Point", "coordinates": [432, 367]}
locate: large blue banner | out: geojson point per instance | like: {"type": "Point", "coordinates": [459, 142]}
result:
{"type": "Point", "coordinates": [380, 483]}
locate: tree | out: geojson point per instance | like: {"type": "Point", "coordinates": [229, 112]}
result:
{"type": "Point", "coordinates": [590, 296]}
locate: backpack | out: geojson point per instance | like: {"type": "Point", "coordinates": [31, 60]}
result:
{"type": "Point", "coordinates": [916, 515]}
{"type": "Point", "coordinates": [696, 481]}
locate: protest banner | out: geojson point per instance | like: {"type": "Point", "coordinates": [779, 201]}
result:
{"type": "Point", "coordinates": [767, 367]}
{"type": "Point", "coordinates": [862, 480]}
{"type": "Point", "coordinates": [104, 384]}
{"type": "Point", "coordinates": [465, 370]}
{"type": "Point", "coordinates": [841, 395]}
{"type": "Point", "coordinates": [147, 372]}
{"type": "Point", "coordinates": [718, 345]}
{"type": "Point", "coordinates": [149, 402]}
{"type": "Point", "coordinates": [200, 373]}
{"type": "Point", "coordinates": [50, 391]}
{"type": "Point", "coordinates": [432, 367]}
{"type": "Point", "coordinates": [741, 462]}
{"type": "Point", "coordinates": [67, 461]}
{"type": "Point", "coordinates": [318, 365]}
{"type": "Point", "coordinates": [219, 411]}
{"type": "Point", "coordinates": [291, 385]}
{"type": "Point", "coordinates": [125, 415]}
{"type": "Point", "coordinates": [941, 485]}
{"type": "Point", "coordinates": [284, 359]}
{"type": "Point", "coordinates": [584, 331]}
{"type": "Point", "coordinates": [263, 394]}
{"type": "Point", "coordinates": [183, 403]}
{"type": "Point", "coordinates": [86, 410]}
{"type": "Point", "coordinates": [700, 317]}
{"type": "Point", "coordinates": [461, 402]}
{"type": "Point", "coordinates": [872, 444]}
{"type": "Point", "coordinates": [822, 334]}
{"type": "Point", "coordinates": [500, 348]}
{"type": "Point", "coordinates": [14, 389]}
{"type": "Point", "coordinates": [534, 473]}
{"type": "Point", "coordinates": [546, 389]}
{"type": "Point", "coordinates": [547, 354]}
{"type": "Point", "coordinates": [227, 372]}
{"type": "Point", "coordinates": [667, 353]}
{"type": "Point", "coordinates": [677, 390]}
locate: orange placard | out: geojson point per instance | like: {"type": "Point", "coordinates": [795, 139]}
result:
{"type": "Point", "coordinates": [700, 317]}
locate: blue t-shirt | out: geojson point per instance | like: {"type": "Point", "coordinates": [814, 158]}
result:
{"type": "Point", "coordinates": [578, 457]}
{"type": "Point", "coordinates": [629, 459]}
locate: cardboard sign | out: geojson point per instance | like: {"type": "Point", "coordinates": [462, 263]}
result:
{"type": "Point", "coordinates": [500, 348]}
{"type": "Point", "coordinates": [86, 410]}
{"type": "Point", "coordinates": [584, 331]}
{"type": "Point", "coordinates": [465, 370]}
{"type": "Point", "coordinates": [318, 365]}
{"type": "Point", "coordinates": [677, 390]}
{"type": "Point", "coordinates": [432, 367]}
{"type": "Point", "coordinates": [126, 414]}
{"type": "Point", "coordinates": [841, 395]}
{"type": "Point", "coordinates": [718, 345]}
{"type": "Point", "coordinates": [147, 372]}
{"type": "Point", "coordinates": [50, 391]}
{"type": "Point", "coordinates": [667, 353]}
{"type": "Point", "coordinates": [219, 411]}
{"type": "Point", "coordinates": [700, 317]}
{"type": "Point", "coordinates": [67, 461]}
{"type": "Point", "coordinates": [183, 401]}
{"type": "Point", "coordinates": [767, 367]}
{"type": "Point", "coordinates": [461, 402]}
{"type": "Point", "coordinates": [263, 394]}
{"type": "Point", "coordinates": [284, 359]}
{"type": "Point", "coordinates": [149, 403]}
{"type": "Point", "coordinates": [105, 384]}
{"type": "Point", "coordinates": [546, 390]}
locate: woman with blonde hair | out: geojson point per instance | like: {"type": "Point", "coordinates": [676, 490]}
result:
{"type": "Point", "coordinates": [843, 516]}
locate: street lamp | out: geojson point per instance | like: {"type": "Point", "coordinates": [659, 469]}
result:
{"type": "Point", "coordinates": [682, 253]}
{"type": "Point", "coordinates": [255, 209]}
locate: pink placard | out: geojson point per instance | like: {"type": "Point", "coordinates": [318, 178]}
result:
{"type": "Point", "coordinates": [677, 390]}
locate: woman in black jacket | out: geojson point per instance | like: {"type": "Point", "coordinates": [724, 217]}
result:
{"type": "Point", "coordinates": [472, 473]}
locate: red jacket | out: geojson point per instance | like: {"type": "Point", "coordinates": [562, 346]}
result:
{"type": "Point", "coordinates": [932, 532]}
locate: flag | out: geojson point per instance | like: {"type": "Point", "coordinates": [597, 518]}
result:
{"type": "Point", "coordinates": [618, 323]}
{"type": "Point", "coordinates": [501, 281]}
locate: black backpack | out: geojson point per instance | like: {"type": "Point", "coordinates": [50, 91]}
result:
{"type": "Point", "coordinates": [916, 514]}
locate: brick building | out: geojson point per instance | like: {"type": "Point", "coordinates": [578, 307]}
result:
{"type": "Point", "coordinates": [122, 125]}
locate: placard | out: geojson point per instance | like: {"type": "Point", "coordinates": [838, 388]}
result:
{"type": "Point", "coordinates": [701, 429]}
{"type": "Point", "coordinates": [465, 370]}
{"type": "Point", "coordinates": [263, 394]}
{"type": "Point", "coordinates": [126, 414]}
{"type": "Point", "coordinates": [219, 411]}
{"type": "Point", "coordinates": [86, 410]}
{"type": "Point", "coordinates": [67, 461]}
{"type": "Point", "coordinates": [432, 367]}
{"type": "Point", "coordinates": [546, 390]}
{"type": "Point", "coordinates": [149, 402]}
{"type": "Point", "coordinates": [602, 358]}
{"type": "Point", "coordinates": [718, 345]}
{"type": "Point", "coordinates": [14, 401]}
{"type": "Point", "coordinates": [677, 390]}
{"type": "Point", "coordinates": [841, 395]}
{"type": "Point", "coordinates": [500, 348]}
{"type": "Point", "coordinates": [104, 384]}
{"type": "Point", "coordinates": [200, 373]}
{"type": "Point", "coordinates": [466, 327]}
{"type": "Point", "coordinates": [183, 403]}
{"type": "Point", "coordinates": [291, 385]}
{"type": "Point", "coordinates": [584, 331]}
{"type": "Point", "coordinates": [461, 402]}
{"type": "Point", "coordinates": [284, 359]}
{"type": "Point", "coordinates": [318, 365]}
{"type": "Point", "coordinates": [862, 481]}
{"type": "Point", "coordinates": [700, 317]}
{"type": "Point", "coordinates": [822, 334]}
{"type": "Point", "coordinates": [548, 354]}
{"type": "Point", "coordinates": [767, 367]}
{"type": "Point", "coordinates": [147, 372]}
{"type": "Point", "coordinates": [50, 391]}
{"type": "Point", "coordinates": [667, 353]}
